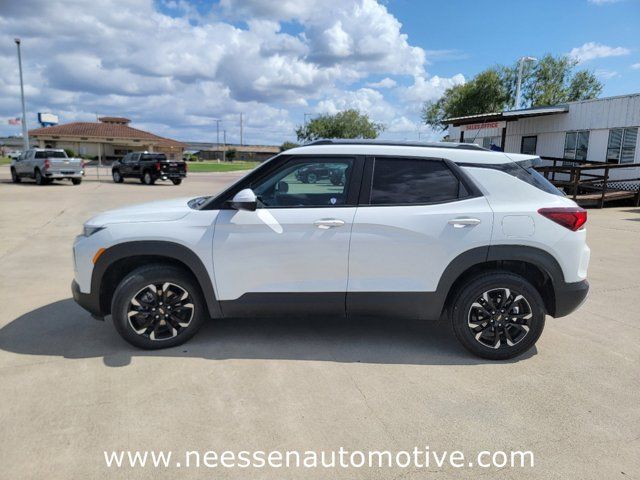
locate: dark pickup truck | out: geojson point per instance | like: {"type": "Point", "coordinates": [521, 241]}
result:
{"type": "Point", "coordinates": [149, 167]}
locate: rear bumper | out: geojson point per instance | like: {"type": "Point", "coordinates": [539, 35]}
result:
{"type": "Point", "coordinates": [569, 297]}
{"type": "Point", "coordinates": [88, 301]}
{"type": "Point", "coordinates": [63, 175]}
{"type": "Point", "coordinates": [172, 175]}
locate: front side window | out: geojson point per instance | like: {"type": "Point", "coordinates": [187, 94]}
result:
{"type": "Point", "coordinates": [400, 181]}
{"type": "Point", "coordinates": [306, 184]}
{"type": "Point", "coordinates": [621, 147]}
{"type": "Point", "coordinates": [576, 145]}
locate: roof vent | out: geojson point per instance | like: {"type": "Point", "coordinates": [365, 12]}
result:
{"type": "Point", "coordinates": [115, 120]}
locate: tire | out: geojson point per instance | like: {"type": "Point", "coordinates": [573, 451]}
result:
{"type": "Point", "coordinates": [498, 335]}
{"type": "Point", "coordinates": [15, 178]}
{"type": "Point", "coordinates": [117, 177]}
{"type": "Point", "coordinates": [76, 181]}
{"type": "Point", "coordinates": [40, 180]}
{"type": "Point", "coordinates": [177, 181]}
{"type": "Point", "coordinates": [165, 329]}
{"type": "Point", "coordinates": [312, 178]}
{"type": "Point", "coordinates": [147, 178]}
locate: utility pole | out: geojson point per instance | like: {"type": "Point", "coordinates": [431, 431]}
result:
{"type": "Point", "coordinates": [25, 132]}
{"type": "Point", "coordinates": [520, 68]}
{"type": "Point", "coordinates": [217, 135]}
{"type": "Point", "coordinates": [241, 129]}
{"type": "Point", "coordinates": [224, 149]}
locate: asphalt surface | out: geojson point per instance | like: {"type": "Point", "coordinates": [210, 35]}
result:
{"type": "Point", "coordinates": [70, 388]}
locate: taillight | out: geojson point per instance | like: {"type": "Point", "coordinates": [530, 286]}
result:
{"type": "Point", "coordinates": [158, 166]}
{"type": "Point", "coordinates": [47, 164]}
{"type": "Point", "coordinates": [569, 217]}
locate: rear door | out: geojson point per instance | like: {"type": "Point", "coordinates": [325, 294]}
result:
{"type": "Point", "coordinates": [415, 216]}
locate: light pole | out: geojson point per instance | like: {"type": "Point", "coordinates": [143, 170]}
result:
{"type": "Point", "coordinates": [25, 132]}
{"type": "Point", "coordinates": [520, 68]}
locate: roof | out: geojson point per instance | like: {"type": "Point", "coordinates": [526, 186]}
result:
{"type": "Point", "coordinates": [102, 130]}
{"type": "Point", "coordinates": [390, 143]}
{"type": "Point", "coordinates": [507, 115]}
{"type": "Point", "coordinates": [475, 154]}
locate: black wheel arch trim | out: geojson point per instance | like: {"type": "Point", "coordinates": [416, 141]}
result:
{"type": "Point", "coordinates": [153, 248]}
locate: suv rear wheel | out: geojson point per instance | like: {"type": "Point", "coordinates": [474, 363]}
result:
{"type": "Point", "coordinates": [498, 315]}
{"type": "Point", "coordinates": [157, 306]}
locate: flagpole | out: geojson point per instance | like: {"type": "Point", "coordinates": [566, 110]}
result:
{"type": "Point", "coordinates": [25, 132]}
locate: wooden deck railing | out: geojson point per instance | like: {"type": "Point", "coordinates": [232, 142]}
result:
{"type": "Point", "coordinates": [589, 183]}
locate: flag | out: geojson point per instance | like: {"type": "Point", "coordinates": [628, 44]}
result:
{"type": "Point", "coordinates": [15, 121]}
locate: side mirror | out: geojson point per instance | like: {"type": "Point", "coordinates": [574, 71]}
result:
{"type": "Point", "coordinates": [245, 200]}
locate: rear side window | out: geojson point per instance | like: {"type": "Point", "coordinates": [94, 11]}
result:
{"type": "Point", "coordinates": [402, 181]}
{"type": "Point", "coordinates": [158, 157]}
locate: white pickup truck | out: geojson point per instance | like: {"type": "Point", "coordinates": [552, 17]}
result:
{"type": "Point", "coordinates": [45, 165]}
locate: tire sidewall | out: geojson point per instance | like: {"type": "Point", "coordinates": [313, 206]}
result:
{"type": "Point", "coordinates": [473, 289]}
{"type": "Point", "coordinates": [137, 280]}
{"type": "Point", "coordinates": [14, 176]}
{"type": "Point", "coordinates": [38, 177]}
{"type": "Point", "coordinates": [117, 178]}
{"type": "Point", "coordinates": [147, 178]}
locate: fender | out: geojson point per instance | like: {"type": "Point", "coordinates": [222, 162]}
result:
{"type": "Point", "coordinates": [167, 249]}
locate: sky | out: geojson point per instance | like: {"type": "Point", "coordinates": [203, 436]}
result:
{"type": "Point", "coordinates": [174, 67]}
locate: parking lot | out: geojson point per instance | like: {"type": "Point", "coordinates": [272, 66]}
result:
{"type": "Point", "coordinates": [71, 388]}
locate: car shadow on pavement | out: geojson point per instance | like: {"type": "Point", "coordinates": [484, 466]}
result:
{"type": "Point", "coordinates": [63, 329]}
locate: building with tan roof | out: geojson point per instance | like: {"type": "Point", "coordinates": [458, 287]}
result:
{"type": "Point", "coordinates": [110, 138]}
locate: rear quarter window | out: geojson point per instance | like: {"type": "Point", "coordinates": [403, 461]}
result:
{"type": "Point", "coordinates": [526, 172]}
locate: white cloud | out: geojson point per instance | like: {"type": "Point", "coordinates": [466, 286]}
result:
{"type": "Point", "coordinates": [603, 2]}
{"type": "Point", "coordinates": [177, 71]}
{"type": "Point", "coordinates": [591, 50]}
{"type": "Point", "coordinates": [384, 83]}
{"type": "Point", "coordinates": [635, 66]}
{"type": "Point", "coordinates": [605, 74]}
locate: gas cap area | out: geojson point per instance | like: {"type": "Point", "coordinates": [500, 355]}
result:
{"type": "Point", "coordinates": [518, 226]}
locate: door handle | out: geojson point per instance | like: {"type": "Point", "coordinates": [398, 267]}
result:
{"type": "Point", "coordinates": [464, 222]}
{"type": "Point", "coordinates": [327, 223]}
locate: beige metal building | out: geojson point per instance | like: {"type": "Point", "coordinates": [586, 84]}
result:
{"type": "Point", "coordinates": [110, 138]}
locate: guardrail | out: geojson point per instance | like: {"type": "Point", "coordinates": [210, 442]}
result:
{"type": "Point", "coordinates": [586, 185]}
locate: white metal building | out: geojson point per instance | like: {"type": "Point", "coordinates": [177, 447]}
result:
{"type": "Point", "coordinates": [601, 130]}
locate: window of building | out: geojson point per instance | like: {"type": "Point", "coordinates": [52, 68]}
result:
{"type": "Point", "coordinates": [576, 145]}
{"type": "Point", "coordinates": [401, 181]}
{"type": "Point", "coordinates": [488, 141]}
{"type": "Point", "coordinates": [622, 145]}
{"type": "Point", "coordinates": [529, 145]}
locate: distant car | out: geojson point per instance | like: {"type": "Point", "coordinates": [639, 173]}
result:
{"type": "Point", "coordinates": [45, 165]}
{"type": "Point", "coordinates": [14, 154]}
{"type": "Point", "coordinates": [148, 168]}
{"type": "Point", "coordinates": [321, 171]}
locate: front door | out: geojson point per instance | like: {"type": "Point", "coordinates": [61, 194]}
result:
{"type": "Point", "coordinates": [291, 254]}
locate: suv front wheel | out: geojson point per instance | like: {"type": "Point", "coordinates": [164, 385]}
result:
{"type": "Point", "coordinates": [498, 315]}
{"type": "Point", "coordinates": [157, 306]}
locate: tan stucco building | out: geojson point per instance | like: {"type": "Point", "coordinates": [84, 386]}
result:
{"type": "Point", "coordinates": [110, 138]}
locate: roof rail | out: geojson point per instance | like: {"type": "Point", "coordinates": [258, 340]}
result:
{"type": "Point", "coordinates": [394, 143]}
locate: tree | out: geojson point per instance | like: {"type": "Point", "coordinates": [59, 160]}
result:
{"type": "Point", "coordinates": [345, 124]}
{"type": "Point", "coordinates": [231, 155]}
{"type": "Point", "coordinates": [486, 92]}
{"type": "Point", "coordinates": [287, 145]}
{"type": "Point", "coordinates": [550, 81]}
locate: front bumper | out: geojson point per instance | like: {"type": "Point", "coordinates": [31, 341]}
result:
{"type": "Point", "coordinates": [88, 301]}
{"type": "Point", "coordinates": [569, 297]}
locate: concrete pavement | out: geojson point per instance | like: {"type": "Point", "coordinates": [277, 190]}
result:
{"type": "Point", "coordinates": [71, 388]}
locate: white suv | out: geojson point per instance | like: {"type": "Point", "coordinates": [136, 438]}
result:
{"type": "Point", "coordinates": [347, 228]}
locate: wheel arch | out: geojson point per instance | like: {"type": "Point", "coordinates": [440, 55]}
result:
{"type": "Point", "coordinates": [540, 268]}
{"type": "Point", "coordinates": [121, 259]}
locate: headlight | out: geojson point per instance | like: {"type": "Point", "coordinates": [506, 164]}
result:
{"type": "Point", "coordinates": [90, 230]}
